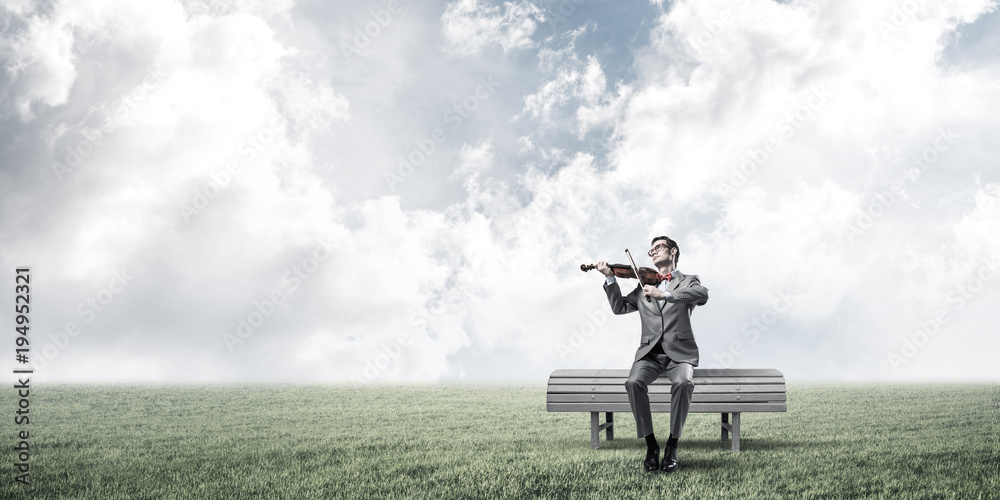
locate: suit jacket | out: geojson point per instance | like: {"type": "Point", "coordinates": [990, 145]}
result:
{"type": "Point", "coordinates": [669, 325]}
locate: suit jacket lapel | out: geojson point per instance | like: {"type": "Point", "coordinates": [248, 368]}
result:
{"type": "Point", "coordinates": [675, 280]}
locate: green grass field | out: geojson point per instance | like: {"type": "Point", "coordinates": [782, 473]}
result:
{"type": "Point", "coordinates": [464, 441]}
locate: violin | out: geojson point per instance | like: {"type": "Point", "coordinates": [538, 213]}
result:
{"type": "Point", "coordinates": [625, 271]}
{"type": "Point", "coordinates": [645, 275]}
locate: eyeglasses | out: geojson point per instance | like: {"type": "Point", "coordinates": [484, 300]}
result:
{"type": "Point", "coordinates": [657, 248]}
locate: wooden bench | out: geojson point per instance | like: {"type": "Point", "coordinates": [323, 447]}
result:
{"type": "Point", "coordinates": [726, 391]}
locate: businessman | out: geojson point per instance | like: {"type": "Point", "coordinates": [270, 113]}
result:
{"type": "Point", "coordinates": [667, 345]}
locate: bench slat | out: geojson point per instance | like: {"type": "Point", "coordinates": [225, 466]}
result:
{"type": "Point", "coordinates": [665, 407]}
{"type": "Point", "coordinates": [664, 380]}
{"type": "Point", "coordinates": [620, 388]}
{"type": "Point", "coordinates": [665, 398]}
{"type": "Point", "coordinates": [698, 372]}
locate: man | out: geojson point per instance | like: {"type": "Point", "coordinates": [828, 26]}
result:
{"type": "Point", "coordinates": [667, 345]}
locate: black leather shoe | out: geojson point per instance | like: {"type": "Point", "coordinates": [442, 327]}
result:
{"type": "Point", "coordinates": [652, 461]}
{"type": "Point", "coordinates": [669, 459]}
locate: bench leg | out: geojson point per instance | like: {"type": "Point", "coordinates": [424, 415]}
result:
{"type": "Point", "coordinates": [725, 426]}
{"type": "Point", "coordinates": [736, 431]}
{"type": "Point", "coordinates": [595, 429]}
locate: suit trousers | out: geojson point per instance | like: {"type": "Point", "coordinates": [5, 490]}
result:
{"type": "Point", "coordinates": [644, 372]}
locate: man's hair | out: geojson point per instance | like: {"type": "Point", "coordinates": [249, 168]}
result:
{"type": "Point", "coordinates": [670, 244]}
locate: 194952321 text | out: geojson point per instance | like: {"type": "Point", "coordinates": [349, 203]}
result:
{"type": "Point", "coordinates": [22, 320]}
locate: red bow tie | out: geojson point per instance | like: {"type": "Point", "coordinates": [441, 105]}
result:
{"type": "Point", "coordinates": [661, 277]}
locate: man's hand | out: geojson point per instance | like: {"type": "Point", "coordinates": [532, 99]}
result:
{"type": "Point", "coordinates": [602, 266]}
{"type": "Point", "coordinates": [652, 291]}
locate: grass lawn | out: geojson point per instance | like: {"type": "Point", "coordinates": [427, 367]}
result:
{"type": "Point", "coordinates": [491, 441]}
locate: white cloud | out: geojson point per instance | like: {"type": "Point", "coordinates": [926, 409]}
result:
{"type": "Point", "coordinates": [599, 107]}
{"type": "Point", "coordinates": [593, 82]}
{"type": "Point", "coordinates": [468, 26]}
{"type": "Point", "coordinates": [977, 233]}
{"type": "Point", "coordinates": [576, 84]}
{"type": "Point", "coordinates": [554, 93]}
{"type": "Point", "coordinates": [474, 159]}
{"type": "Point", "coordinates": [39, 61]}
{"type": "Point", "coordinates": [788, 243]}
{"type": "Point", "coordinates": [754, 145]}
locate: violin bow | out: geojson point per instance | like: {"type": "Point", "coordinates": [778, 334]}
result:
{"type": "Point", "coordinates": [638, 276]}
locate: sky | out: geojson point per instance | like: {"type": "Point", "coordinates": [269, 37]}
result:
{"type": "Point", "coordinates": [383, 192]}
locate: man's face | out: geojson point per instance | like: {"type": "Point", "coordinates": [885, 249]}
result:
{"type": "Point", "coordinates": [661, 253]}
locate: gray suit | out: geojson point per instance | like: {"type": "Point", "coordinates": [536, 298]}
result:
{"type": "Point", "coordinates": [668, 326]}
